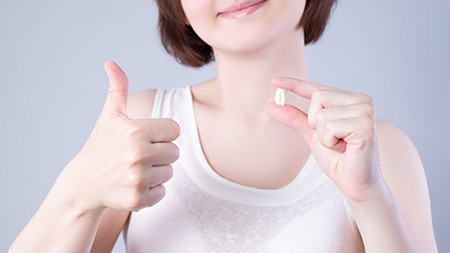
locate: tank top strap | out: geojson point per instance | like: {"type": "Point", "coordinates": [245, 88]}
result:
{"type": "Point", "coordinates": [168, 103]}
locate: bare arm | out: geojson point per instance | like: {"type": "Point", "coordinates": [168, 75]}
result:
{"type": "Point", "coordinates": [383, 183]}
{"type": "Point", "coordinates": [400, 213]}
{"type": "Point", "coordinates": [116, 169]}
{"type": "Point", "coordinates": [404, 173]}
{"type": "Point", "coordinates": [111, 225]}
{"type": "Point", "coordinates": [57, 226]}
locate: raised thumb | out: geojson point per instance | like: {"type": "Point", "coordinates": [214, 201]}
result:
{"type": "Point", "coordinates": [116, 101]}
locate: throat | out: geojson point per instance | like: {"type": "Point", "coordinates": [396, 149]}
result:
{"type": "Point", "coordinates": [266, 158]}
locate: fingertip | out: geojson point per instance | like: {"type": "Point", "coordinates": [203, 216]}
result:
{"type": "Point", "coordinates": [174, 129]}
{"type": "Point", "coordinates": [106, 63]}
{"type": "Point", "coordinates": [115, 72]}
{"type": "Point", "coordinates": [287, 83]}
{"type": "Point", "coordinates": [109, 63]}
{"type": "Point", "coordinates": [278, 81]}
{"type": "Point", "coordinates": [111, 68]}
{"type": "Point", "coordinates": [177, 130]}
{"type": "Point", "coordinates": [107, 68]}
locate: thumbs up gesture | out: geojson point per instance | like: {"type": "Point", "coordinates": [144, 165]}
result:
{"type": "Point", "coordinates": [125, 161]}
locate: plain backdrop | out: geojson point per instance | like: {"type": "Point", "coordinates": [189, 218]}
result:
{"type": "Point", "coordinates": [52, 84]}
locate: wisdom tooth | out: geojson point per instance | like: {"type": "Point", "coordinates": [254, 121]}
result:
{"type": "Point", "coordinates": [280, 96]}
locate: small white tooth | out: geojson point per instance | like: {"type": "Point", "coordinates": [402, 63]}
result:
{"type": "Point", "coordinates": [280, 96]}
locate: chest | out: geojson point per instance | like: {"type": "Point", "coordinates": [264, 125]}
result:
{"type": "Point", "coordinates": [191, 220]}
{"type": "Point", "coordinates": [265, 158]}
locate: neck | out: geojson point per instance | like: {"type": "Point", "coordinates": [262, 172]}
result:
{"type": "Point", "coordinates": [243, 84]}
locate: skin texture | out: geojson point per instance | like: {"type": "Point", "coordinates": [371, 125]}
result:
{"type": "Point", "coordinates": [367, 159]}
{"type": "Point", "coordinates": [122, 166]}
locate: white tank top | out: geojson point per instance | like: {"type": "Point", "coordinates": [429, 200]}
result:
{"type": "Point", "coordinates": [204, 212]}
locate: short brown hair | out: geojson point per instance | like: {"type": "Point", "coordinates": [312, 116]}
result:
{"type": "Point", "coordinates": [189, 49]}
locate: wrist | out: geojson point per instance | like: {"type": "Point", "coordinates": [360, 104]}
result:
{"type": "Point", "coordinates": [69, 193]}
{"type": "Point", "coordinates": [378, 217]}
{"type": "Point", "coordinates": [375, 194]}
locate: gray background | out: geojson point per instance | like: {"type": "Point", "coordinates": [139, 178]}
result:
{"type": "Point", "coordinates": [52, 84]}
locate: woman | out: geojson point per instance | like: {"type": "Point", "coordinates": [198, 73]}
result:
{"type": "Point", "coordinates": [320, 174]}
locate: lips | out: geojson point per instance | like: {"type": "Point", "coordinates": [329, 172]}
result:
{"type": "Point", "coordinates": [242, 9]}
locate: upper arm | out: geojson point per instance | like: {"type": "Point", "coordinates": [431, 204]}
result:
{"type": "Point", "coordinates": [404, 173]}
{"type": "Point", "coordinates": [140, 106]}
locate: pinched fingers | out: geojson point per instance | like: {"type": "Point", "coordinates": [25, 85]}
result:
{"type": "Point", "coordinates": [321, 96]}
{"type": "Point", "coordinates": [339, 117]}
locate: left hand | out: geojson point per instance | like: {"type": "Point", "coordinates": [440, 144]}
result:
{"type": "Point", "coordinates": [340, 130]}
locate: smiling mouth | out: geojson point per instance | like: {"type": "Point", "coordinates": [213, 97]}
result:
{"type": "Point", "coordinates": [241, 10]}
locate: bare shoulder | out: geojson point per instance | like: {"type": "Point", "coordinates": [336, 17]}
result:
{"type": "Point", "coordinates": [399, 157]}
{"type": "Point", "coordinates": [140, 104]}
{"type": "Point", "coordinates": [404, 173]}
{"type": "Point", "coordinates": [388, 133]}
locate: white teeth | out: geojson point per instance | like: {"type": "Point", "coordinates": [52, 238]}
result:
{"type": "Point", "coordinates": [280, 96]}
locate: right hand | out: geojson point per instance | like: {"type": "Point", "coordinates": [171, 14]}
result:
{"type": "Point", "coordinates": [125, 161]}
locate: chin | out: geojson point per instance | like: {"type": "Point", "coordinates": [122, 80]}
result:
{"type": "Point", "coordinates": [242, 46]}
{"type": "Point", "coordinates": [254, 44]}
{"type": "Point", "coordinates": [245, 40]}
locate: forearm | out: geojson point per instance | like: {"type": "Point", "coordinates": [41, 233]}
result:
{"type": "Point", "coordinates": [382, 226]}
{"type": "Point", "coordinates": [58, 226]}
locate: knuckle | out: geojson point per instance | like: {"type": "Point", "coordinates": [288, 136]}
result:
{"type": "Point", "coordinates": [372, 129]}
{"type": "Point", "coordinates": [312, 121]}
{"type": "Point", "coordinates": [137, 155]}
{"type": "Point", "coordinates": [317, 95]}
{"type": "Point", "coordinates": [134, 131]}
{"type": "Point", "coordinates": [320, 116]}
{"type": "Point", "coordinates": [369, 127]}
{"type": "Point", "coordinates": [135, 179]}
{"type": "Point", "coordinates": [323, 141]}
{"type": "Point", "coordinates": [368, 110]}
